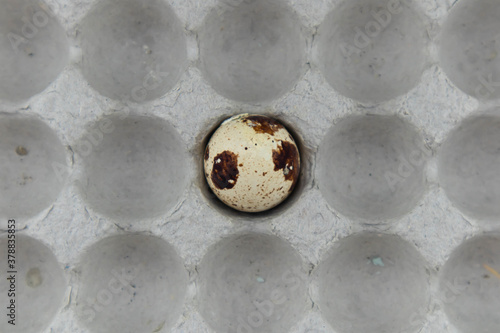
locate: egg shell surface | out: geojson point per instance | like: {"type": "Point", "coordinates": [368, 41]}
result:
{"type": "Point", "coordinates": [252, 163]}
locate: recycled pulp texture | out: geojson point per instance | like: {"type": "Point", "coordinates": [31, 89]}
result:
{"type": "Point", "coordinates": [70, 225]}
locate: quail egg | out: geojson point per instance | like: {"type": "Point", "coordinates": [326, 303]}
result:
{"type": "Point", "coordinates": [252, 163]}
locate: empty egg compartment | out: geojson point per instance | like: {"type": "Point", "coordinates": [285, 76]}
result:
{"type": "Point", "coordinates": [35, 280]}
{"type": "Point", "coordinates": [373, 282]}
{"type": "Point", "coordinates": [130, 283]}
{"type": "Point", "coordinates": [133, 51]}
{"type": "Point", "coordinates": [34, 51]}
{"type": "Point", "coordinates": [468, 48]}
{"type": "Point", "coordinates": [252, 51]}
{"type": "Point", "coordinates": [365, 48]}
{"type": "Point", "coordinates": [252, 281]}
{"type": "Point", "coordinates": [468, 284]}
{"type": "Point", "coordinates": [372, 167]}
{"type": "Point", "coordinates": [134, 167]}
{"type": "Point", "coordinates": [468, 164]}
{"type": "Point", "coordinates": [34, 166]}
{"type": "Point", "coordinates": [124, 97]}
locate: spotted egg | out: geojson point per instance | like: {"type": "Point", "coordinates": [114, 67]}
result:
{"type": "Point", "coordinates": [252, 163]}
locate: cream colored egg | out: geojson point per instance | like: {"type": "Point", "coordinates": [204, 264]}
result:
{"type": "Point", "coordinates": [252, 163]}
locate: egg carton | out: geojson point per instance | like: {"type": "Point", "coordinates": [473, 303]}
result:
{"type": "Point", "coordinates": [390, 102]}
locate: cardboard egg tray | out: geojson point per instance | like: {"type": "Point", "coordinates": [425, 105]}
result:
{"type": "Point", "coordinates": [71, 181]}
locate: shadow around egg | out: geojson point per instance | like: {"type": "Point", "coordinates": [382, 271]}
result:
{"type": "Point", "coordinates": [304, 181]}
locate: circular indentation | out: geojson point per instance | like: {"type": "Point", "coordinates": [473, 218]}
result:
{"type": "Point", "coordinates": [220, 207]}
{"type": "Point", "coordinates": [33, 48]}
{"type": "Point", "coordinates": [470, 285]}
{"type": "Point", "coordinates": [252, 283]}
{"type": "Point", "coordinates": [37, 286]}
{"type": "Point", "coordinates": [252, 163]}
{"type": "Point", "coordinates": [134, 166]}
{"type": "Point", "coordinates": [133, 50]}
{"type": "Point", "coordinates": [372, 51]}
{"type": "Point", "coordinates": [130, 283]}
{"type": "Point", "coordinates": [372, 167]}
{"type": "Point", "coordinates": [468, 166]}
{"type": "Point", "coordinates": [34, 167]}
{"type": "Point", "coordinates": [373, 283]}
{"type": "Point", "coordinates": [469, 50]}
{"type": "Point", "coordinates": [253, 52]}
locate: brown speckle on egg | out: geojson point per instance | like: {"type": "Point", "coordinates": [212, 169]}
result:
{"type": "Point", "coordinates": [207, 153]}
{"type": "Point", "coordinates": [286, 158]}
{"type": "Point", "coordinates": [225, 170]}
{"type": "Point", "coordinates": [262, 124]}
